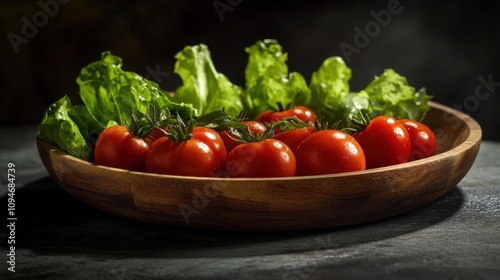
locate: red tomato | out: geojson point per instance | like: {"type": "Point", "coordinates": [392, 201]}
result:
{"type": "Point", "coordinates": [264, 117]}
{"type": "Point", "coordinates": [293, 138]}
{"type": "Point", "coordinates": [385, 142]}
{"type": "Point", "coordinates": [117, 147]}
{"type": "Point", "coordinates": [267, 158]}
{"type": "Point", "coordinates": [211, 138]}
{"type": "Point", "coordinates": [228, 137]}
{"type": "Point", "coordinates": [202, 155]}
{"type": "Point", "coordinates": [155, 134]}
{"type": "Point", "coordinates": [423, 141]}
{"type": "Point", "coordinates": [302, 113]}
{"type": "Point", "coordinates": [327, 152]}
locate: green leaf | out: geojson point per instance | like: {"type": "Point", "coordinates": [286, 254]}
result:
{"type": "Point", "coordinates": [110, 93]}
{"type": "Point", "coordinates": [329, 85]}
{"type": "Point", "coordinates": [89, 127]}
{"type": "Point", "coordinates": [268, 80]}
{"type": "Point", "coordinates": [391, 95]}
{"type": "Point", "coordinates": [203, 87]}
{"type": "Point", "coordinates": [218, 120]}
{"type": "Point", "coordinates": [266, 59]}
{"type": "Point", "coordinates": [59, 128]}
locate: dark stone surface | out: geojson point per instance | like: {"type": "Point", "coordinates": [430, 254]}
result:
{"type": "Point", "coordinates": [58, 237]}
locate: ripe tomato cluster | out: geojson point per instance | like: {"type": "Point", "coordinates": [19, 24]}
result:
{"type": "Point", "coordinates": [277, 144]}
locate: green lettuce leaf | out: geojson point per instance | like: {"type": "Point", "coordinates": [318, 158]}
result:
{"type": "Point", "coordinates": [266, 59]}
{"type": "Point", "coordinates": [388, 94]}
{"type": "Point", "coordinates": [329, 85]}
{"type": "Point", "coordinates": [203, 87]}
{"type": "Point", "coordinates": [110, 93]}
{"type": "Point", "coordinates": [89, 127]}
{"type": "Point", "coordinates": [57, 127]}
{"type": "Point", "coordinates": [391, 95]}
{"type": "Point", "coordinates": [268, 80]}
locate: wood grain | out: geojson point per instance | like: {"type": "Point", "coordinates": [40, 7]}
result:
{"type": "Point", "coordinates": [278, 204]}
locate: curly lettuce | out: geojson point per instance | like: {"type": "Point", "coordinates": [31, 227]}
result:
{"type": "Point", "coordinates": [268, 80]}
{"type": "Point", "coordinates": [388, 94]}
{"type": "Point", "coordinates": [203, 87]}
{"type": "Point", "coordinates": [329, 86]}
{"type": "Point", "coordinates": [59, 128]}
{"type": "Point", "coordinates": [391, 95]}
{"type": "Point", "coordinates": [110, 93]}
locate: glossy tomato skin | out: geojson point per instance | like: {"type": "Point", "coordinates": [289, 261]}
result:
{"type": "Point", "coordinates": [213, 140]}
{"type": "Point", "coordinates": [385, 142]}
{"type": "Point", "coordinates": [328, 152]}
{"type": "Point", "coordinates": [423, 140]}
{"type": "Point", "coordinates": [293, 138]}
{"type": "Point", "coordinates": [117, 147]}
{"type": "Point", "coordinates": [267, 158]}
{"type": "Point", "coordinates": [227, 136]}
{"type": "Point", "coordinates": [203, 155]}
{"type": "Point", "coordinates": [304, 114]}
{"type": "Point", "coordinates": [264, 117]}
{"type": "Point", "coordinates": [301, 112]}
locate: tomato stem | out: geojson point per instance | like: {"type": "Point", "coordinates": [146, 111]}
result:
{"type": "Point", "coordinates": [155, 117]}
{"type": "Point", "coordinates": [244, 134]}
{"type": "Point", "coordinates": [179, 131]}
{"type": "Point", "coordinates": [289, 123]}
{"type": "Point", "coordinates": [323, 124]}
{"type": "Point", "coordinates": [359, 124]}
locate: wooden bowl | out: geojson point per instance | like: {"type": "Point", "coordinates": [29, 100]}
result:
{"type": "Point", "coordinates": [277, 204]}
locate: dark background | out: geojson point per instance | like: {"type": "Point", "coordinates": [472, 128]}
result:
{"type": "Point", "coordinates": [445, 46]}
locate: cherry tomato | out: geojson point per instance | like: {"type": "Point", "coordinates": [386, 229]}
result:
{"type": "Point", "coordinates": [228, 137]}
{"type": "Point", "coordinates": [201, 155]}
{"type": "Point", "coordinates": [385, 142]}
{"type": "Point", "coordinates": [264, 117]}
{"type": "Point", "coordinates": [155, 134]}
{"type": "Point", "coordinates": [117, 147]}
{"type": "Point", "coordinates": [423, 141]}
{"type": "Point", "coordinates": [211, 138]}
{"type": "Point", "coordinates": [267, 158]}
{"type": "Point", "coordinates": [293, 138]}
{"type": "Point", "coordinates": [327, 152]}
{"type": "Point", "coordinates": [302, 113]}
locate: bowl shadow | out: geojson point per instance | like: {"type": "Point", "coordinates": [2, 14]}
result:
{"type": "Point", "coordinates": [51, 222]}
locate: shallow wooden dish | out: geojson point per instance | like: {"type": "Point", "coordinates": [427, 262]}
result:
{"type": "Point", "coordinates": [295, 203]}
